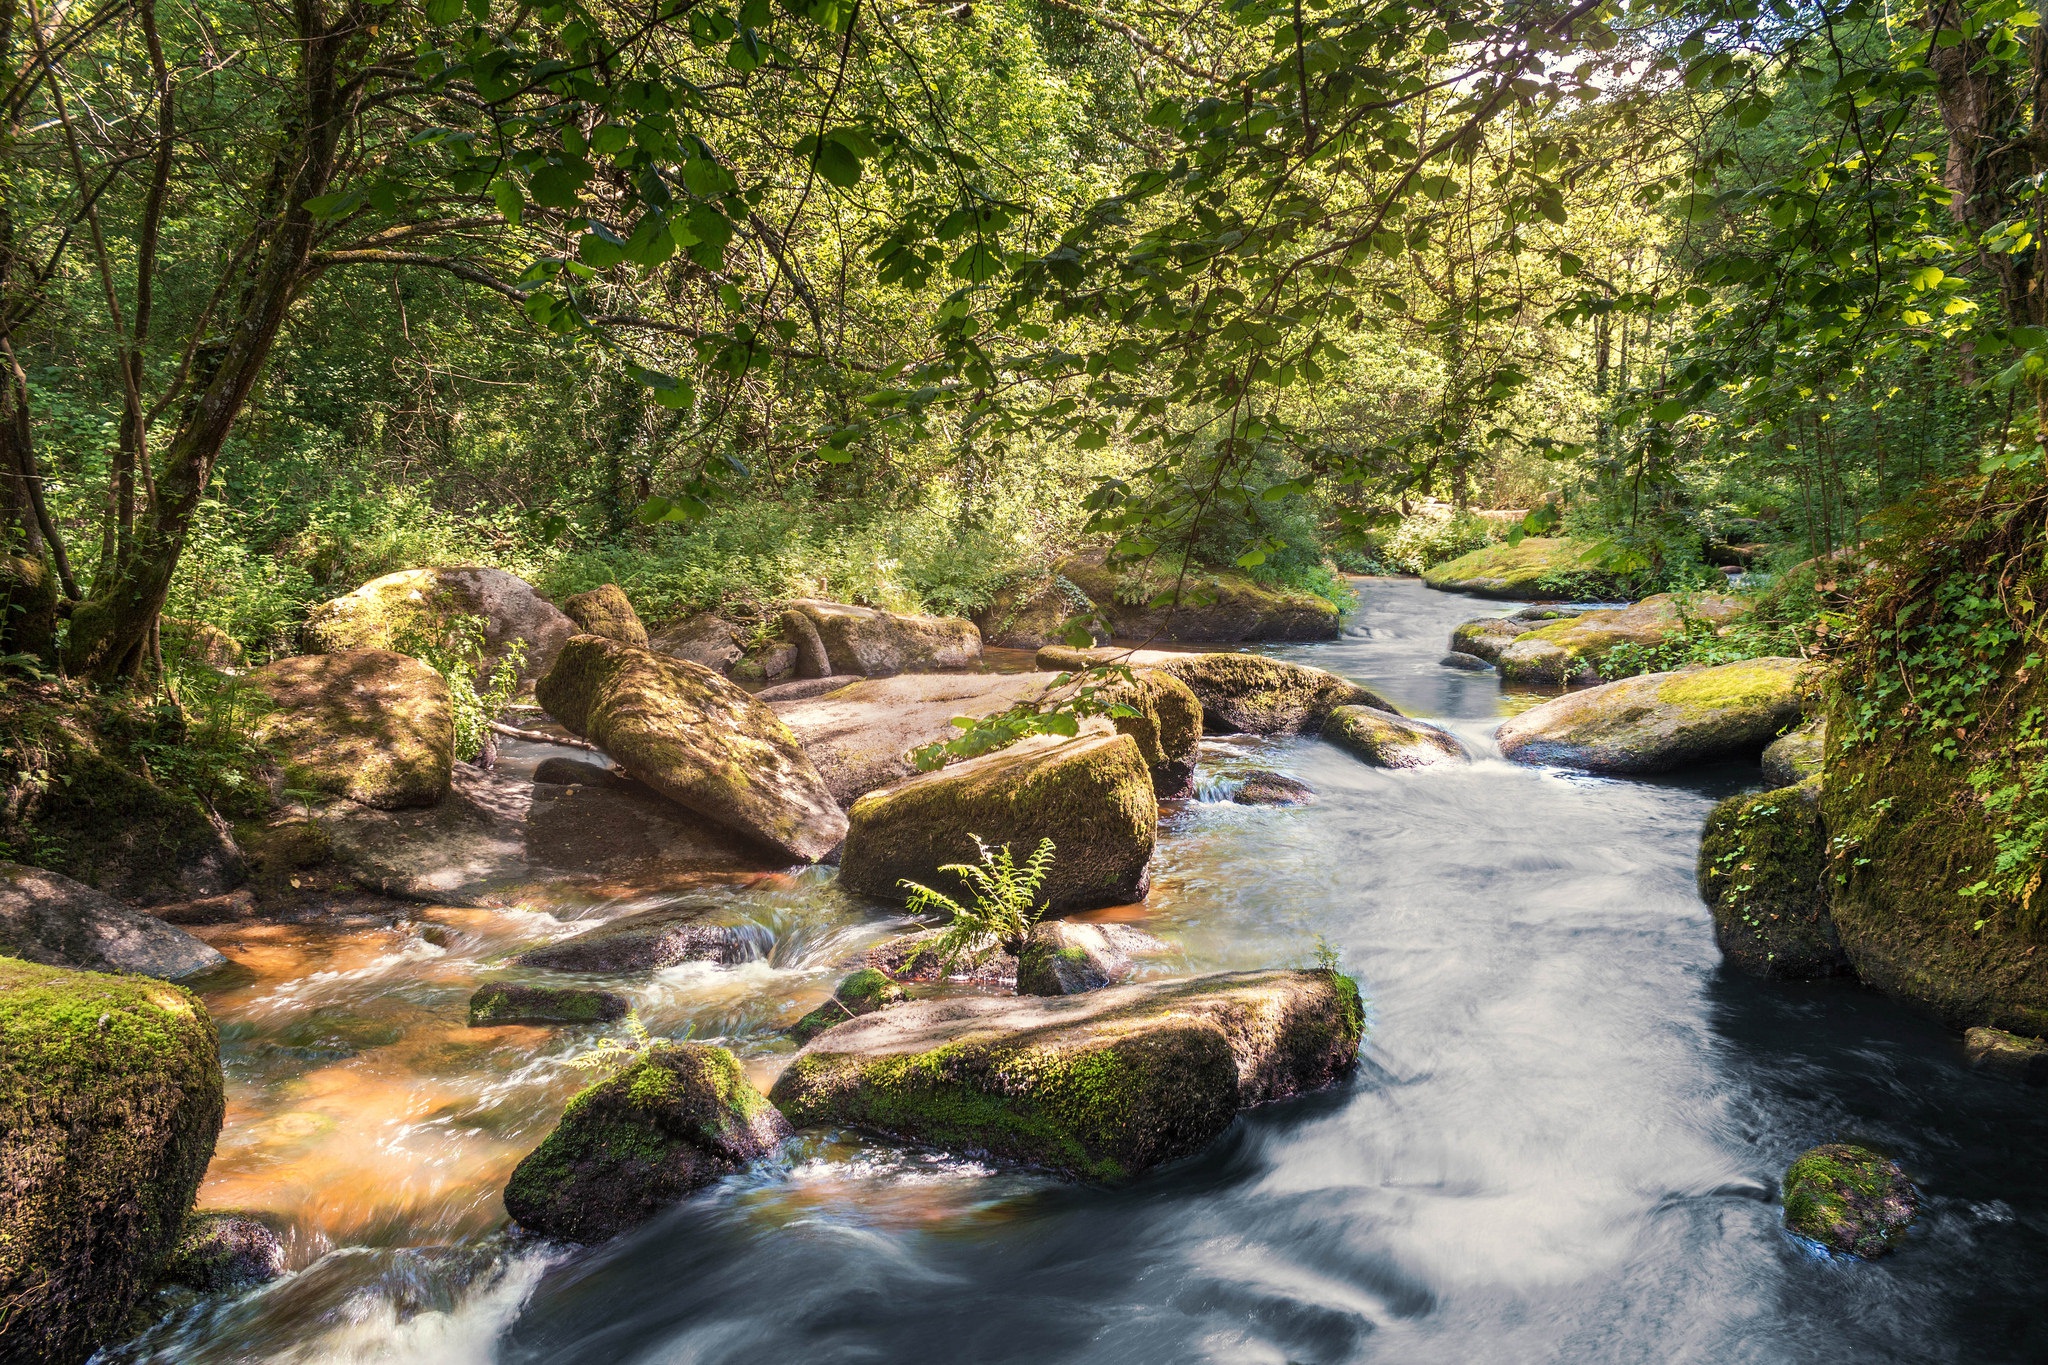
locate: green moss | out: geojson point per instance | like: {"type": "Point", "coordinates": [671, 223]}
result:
{"type": "Point", "coordinates": [1763, 873]}
{"type": "Point", "coordinates": [1848, 1199]}
{"type": "Point", "coordinates": [1707, 691]}
{"type": "Point", "coordinates": [1537, 568]}
{"type": "Point", "coordinates": [508, 1004]}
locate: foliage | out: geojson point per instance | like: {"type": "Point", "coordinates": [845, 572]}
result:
{"type": "Point", "coordinates": [1430, 535]}
{"type": "Point", "coordinates": [478, 689]}
{"type": "Point", "coordinates": [610, 1056]}
{"type": "Point", "coordinates": [1003, 908]}
{"type": "Point", "coordinates": [1068, 700]}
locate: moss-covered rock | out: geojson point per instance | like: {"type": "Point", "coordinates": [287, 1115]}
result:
{"type": "Point", "coordinates": [2008, 1054]}
{"type": "Point", "coordinates": [1239, 693]}
{"type": "Point", "coordinates": [697, 739]}
{"type": "Point", "coordinates": [28, 608]}
{"type": "Point", "coordinates": [649, 940]}
{"type": "Point", "coordinates": [365, 724]}
{"type": "Point", "coordinates": [862, 992]}
{"type": "Point", "coordinates": [1659, 721]}
{"type": "Point", "coordinates": [1101, 1086]}
{"type": "Point", "coordinates": [878, 644]}
{"type": "Point", "coordinates": [606, 611]}
{"type": "Point", "coordinates": [222, 1250]}
{"type": "Point", "coordinates": [680, 1117]}
{"type": "Point", "coordinates": [1263, 787]}
{"type": "Point", "coordinates": [912, 957]}
{"type": "Point", "coordinates": [1571, 650]}
{"type": "Point", "coordinates": [62, 923]}
{"type": "Point", "coordinates": [401, 610]}
{"type": "Point", "coordinates": [110, 1101]}
{"type": "Point", "coordinates": [1849, 1199]}
{"type": "Point", "coordinates": [1167, 727]}
{"type": "Point", "coordinates": [1214, 606]}
{"type": "Point", "coordinates": [1091, 796]}
{"type": "Point", "coordinates": [1796, 755]}
{"type": "Point", "coordinates": [1386, 740]}
{"type": "Point", "coordinates": [199, 642]}
{"type": "Point", "coordinates": [1536, 570]}
{"type": "Point", "coordinates": [509, 1003]}
{"type": "Point", "coordinates": [1486, 637]}
{"type": "Point", "coordinates": [1763, 874]}
{"type": "Point", "coordinates": [1065, 957]}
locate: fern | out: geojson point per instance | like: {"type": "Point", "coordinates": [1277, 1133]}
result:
{"type": "Point", "coordinates": [1005, 904]}
{"type": "Point", "coordinates": [611, 1056]}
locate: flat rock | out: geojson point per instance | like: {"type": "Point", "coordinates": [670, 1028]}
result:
{"type": "Point", "coordinates": [1570, 650]}
{"type": "Point", "coordinates": [862, 992]}
{"type": "Point", "coordinates": [1262, 787]}
{"type": "Point", "coordinates": [365, 724]}
{"type": "Point", "coordinates": [1389, 741]}
{"type": "Point", "coordinates": [1239, 693]}
{"type": "Point", "coordinates": [1101, 1086]}
{"type": "Point", "coordinates": [62, 923]}
{"type": "Point", "coordinates": [1659, 721]}
{"type": "Point", "coordinates": [1538, 569]}
{"type": "Point", "coordinates": [880, 643]}
{"type": "Point", "coordinates": [606, 611]}
{"type": "Point", "coordinates": [1471, 663]}
{"type": "Point", "coordinates": [650, 940]}
{"type": "Point", "coordinates": [1066, 957]}
{"type": "Point", "coordinates": [401, 610]}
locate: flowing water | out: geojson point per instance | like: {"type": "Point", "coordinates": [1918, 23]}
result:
{"type": "Point", "coordinates": [1561, 1144]}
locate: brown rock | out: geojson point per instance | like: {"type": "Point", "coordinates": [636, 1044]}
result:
{"type": "Point", "coordinates": [365, 724]}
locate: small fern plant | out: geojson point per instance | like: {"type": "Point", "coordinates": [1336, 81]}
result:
{"type": "Point", "coordinates": [611, 1056]}
{"type": "Point", "coordinates": [1005, 904]}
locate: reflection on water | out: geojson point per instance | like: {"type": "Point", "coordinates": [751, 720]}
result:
{"type": "Point", "coordinates": [1562, 1143]}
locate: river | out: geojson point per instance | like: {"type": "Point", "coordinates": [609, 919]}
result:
{"type": "Point", "coordinates": [1562, 1142]}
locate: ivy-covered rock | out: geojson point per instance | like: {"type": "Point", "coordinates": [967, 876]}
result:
{"type": "Point", "coordinates": [422, 605]}
{"type": "Point", "coordinates": [1101, 1086]}
{"type": "Point", "coordinates": [222, 1250]}
{"type": "Point", "coordinates": [862, 992]}
{"type": "Point", "coordinates": [1763, 873]}
{"type": "Point", "coordinates": [1386, 740]}
{"type": "Point", "coordinates": [2008, 1054]}
{"type": "Point", "coordinates": [366, 724]}
{"type": "Point", "coordinates": [698, 740]}
{"type": "Point", "coordinates": [510, 1003]}
{"type": "Point", "coordinates": [51, 919]}
{"type": "Point", "coordinates": [1571, 650]}
{"type": "Point", "coordinates": [1215, 606]}
{"type": "Point", "coordinates": [1239, 693]}
{"type": "Point", "coordinates": [865, 640]}
{"type": "Point", "coordinates": [1536, 570]}
{"type": "Point", "coordinates": [606, 611]}
{"type": "Point", "coordinates": [1064, 957]}
{"type": "Point", "coordinates": [1849, 1199]}
{"type": "Point", "coordinates": [1659, 721]}
{"type": "Point", "coordinates": [110, 1101]}
{"type": "Point", "coordinates": [649, 940]}
{"type": "Point", "coordinates": [678, 1118]}
{"type": "Point", "coordinates": [1796, 755]}
{"type": "Point", "coordinates": [1486, 637]}
{"type": "Point", "coordinates": [1091, 796]}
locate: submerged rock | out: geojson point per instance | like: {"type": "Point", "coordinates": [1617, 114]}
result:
{"type": "Point", "coordinates": [1659, 721]}
{"type": "Point", "coordinates": [1571, 650]}
{"type": "Point", "coordinates": [698, 740]}
{"type": "Point", "coordinates": [606, 611]}
{"type": "Point", "coordinates": [420, 606]}
{"type": "Point", "coordinates": [1265, 788]}
{"type": "Point", "coordinates": [221, 1250]}
{"type": "Point", "coordinates": [862, 992]}
{"type": "Point", "coordinates": [365, 724]}
{"type": "Point", "coordinates": [1101, 1086]}
{"type": "Point", "coordinates": [110, 1101]}
{"type": "Point", "coordinates": [1239, 693]}
{"type": "Point", "coordinates": [62, 923]}
{"type": "Point", "coordinates": [1536, 570]}
{"type": "Point", "coordinates": [512, 1004]}
{"type": "Point", "coordinates": [1849, 1199]}
{"type": "Point", "coordinates": [1471, 663]}
{"type": "Point", "coordinates": [1389, 741]}
{"type": "Point", "coordinates": [881, 643]}
{"type": "Point", "coordinates": [1763, 874]}
{"type": "Point", "coordinates": [1488, 636]}
{"type": "Point", "coordinates": [1091, 796]}
{"type": "Point", "coordinates": [1797, 754]}
{"type": "Point", "coordinates": [1064, 957]}
{"type": "Point", "coordinates": [650, 940]}
{"type": "Point", "coordinates": [2008, 1054]}
{"type": "Point", "coordinates": [680, 1117]}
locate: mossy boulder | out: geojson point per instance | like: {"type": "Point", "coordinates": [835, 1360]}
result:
{"type": "Point", "coordinates": [1537, 570]}
{"type": "Point", "coordinates": [222, 1250]}
{"type": "Point", "coordinates": [110, 1102]}
{"type": "Point", "coordinates": [1034, 612]}
{"type": "Point", "coordinates": [1091, 796]}
{"type": "Point", "coordinates": [1849, 1199]}
{"type": "Point", "coordinates": [403, 610]}
{"type": "Point", "coordinates": [1763, 873]}
{"type": "Point", "coordinates": [1167, 726]}
{"type": "Point", "coordinates": [606, 611]}
{"type": "Point", "coordinates": [1065, 957]}
{"type": "Point", "coordinates": [1486, 637]}
{"type": "Point", "coordinates": [1386, 740]}
{"type": "Point", "coordinates": [1659, 721]}
{"type": "Point", "coordinates": [2008, 1054]}
{"type": "Point", "coordinates": [878, 644]}
{"type": "Point", "coordinates": [200, 642]}
{"type": "Point", "coordinates": [862, 992]}
{"type": "Point", "coordinates": [1571, 650]}
{"type": "Point", "coordinates": [678, 1118]}
{"type": "Point", "coordinates": [705, 638]}
{"type": "Point", "coordinates": [1100, 1086]}
{"type": "Point", "coordinates": [649, 940]}
{"type": "Point", "coordinates": [365, 724]}
{"type": "Point", "coordinates": [28, 608]}
{"type": "Point", "coordinates": [1239, 693]}
{"type": "Point", "coordinates": [51, 919]}
{"type": "Point", "coordinates": [1214, 606]}
{"type": "Point", "coordinates": [510, 1003]}
{"type": "Point", "coordinates": [1263, 787]}
{"type": "Point", "coordinates": [684, 731]}
{"type": "Point", "coordinates": [1796, 755]}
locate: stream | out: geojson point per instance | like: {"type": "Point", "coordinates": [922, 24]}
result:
{"type": "Point", "coordinates": [1562, 1142]}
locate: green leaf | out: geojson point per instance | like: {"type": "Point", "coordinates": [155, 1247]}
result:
{"type": "Point", "coordinates": [441, 13]}
{"type": "Point", "coordinates": [505, 193]}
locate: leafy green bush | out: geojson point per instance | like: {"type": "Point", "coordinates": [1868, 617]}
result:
{"type": "Point", "coordinates": [477, 692]}
{"type": "Point", "coordinates": [1004, 907]}
{"type": "Point", "coordinates": [1434, 535]}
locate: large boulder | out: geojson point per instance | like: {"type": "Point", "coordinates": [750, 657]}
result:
{"type": "Point", "coordinates": [1571, 650]}
{"type": "Point", "coordinates": [1091, 796]}
{"type": "Point", "coordinates": [880, 643]}
{"type": "Point", "coordinates": [1849, 1199]}
{"type": "Point", "coordinates": [1659, 721]}
{"type": "Point", "coordinates": [698, 740]}
{"type": "Point", "coordinates": [1239, 693]}
{"type": "Point", "coordinates": [1537, 570]}
{"type": "Point", "coordinates": [1485, 638]}
{"type": "Point", "coordinates": [1214, 606]}
{"type": "Point", "coordinates": [51, 919]}
{"type": "Point", "coordinates": [706, 638]}
{"type": "Point", "coordinates": [1796, 755]}
{"type": "Point", "coordinates": [1101, 1086]}
{"type": "Point", "coordinates": [110, 1101]}
{"type": "Point", "coordinates": [403, 610]}
{"type": "Point", "coordinates": [1386, 740]}
{"type": "Point", "coordinates": [1763, 873]}
{"type": "Point", "coordinates": [606, 611]}
{"type": "Point", "coordinates": [679, 1117]}
{"type": "Point", "coordinates": [1032, 612]}
{"type": "Point", "coordinates": [649, 940]}
{"type": "Point", "coordinates": [366, 724]}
